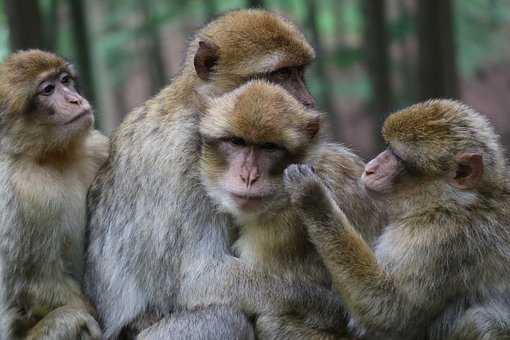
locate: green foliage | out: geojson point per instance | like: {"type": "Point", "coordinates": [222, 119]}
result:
{"type": "Point", "coordinates": [479, 33]}
{"type": "Point", "coordinates": [4, 34]}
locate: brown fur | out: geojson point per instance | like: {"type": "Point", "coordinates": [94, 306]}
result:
{"type": "Point", "coordinates": [440, 269]}
{"type": "Point", "coordinates": [21, 73]}
{"type": "Point", "coordinates": [43, 186]}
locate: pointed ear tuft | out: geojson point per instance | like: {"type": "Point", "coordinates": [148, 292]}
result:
{"type": "Point", "coordinates": [206, 58]}
{"type": "Point", "coordinates": [469, 171]}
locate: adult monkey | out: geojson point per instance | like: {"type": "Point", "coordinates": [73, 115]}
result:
{"type": "Point", "coordinates": [158, 249]}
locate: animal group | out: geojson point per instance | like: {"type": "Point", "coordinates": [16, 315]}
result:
{"type": "Point", "coordinates": [220, 210]}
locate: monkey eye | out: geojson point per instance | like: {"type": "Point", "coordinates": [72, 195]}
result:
{"type": "Point", "coordinates": [236, 141]}
{"type": "Point", "coordinates": [66, 78]}
{"type": "Point", "coordinates": [282, 72]}
{"type": "Point", "coordinates": [47, 89]}
{"type": "Point", "coordinates": [270, 146]}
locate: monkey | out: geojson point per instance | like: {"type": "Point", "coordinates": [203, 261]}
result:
{"type": "Point", "coordinates": [156, 245]}
{"type": "Point", "coordinates": [249, 136]}
{"type": "Point", "coordinates": [49, 154]}
{"type": "Point", "coordinates": [441, 267]}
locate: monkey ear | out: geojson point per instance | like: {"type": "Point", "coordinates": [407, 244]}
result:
{"type": "Point", "coordinates": [469, 171]}
{"type": "Point", "coordinates": [206, 58]}
{"type": "Point", "coordinates": [313, 126]}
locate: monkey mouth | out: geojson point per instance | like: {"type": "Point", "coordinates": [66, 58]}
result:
{"type": "Point", "coordinates": [84, 113]}
{"type": "Point", "coordinates": [245, 201]}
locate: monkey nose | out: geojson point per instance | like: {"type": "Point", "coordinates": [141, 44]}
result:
{"type": "Point", "coordinates": [73, 100]}
{"type": "Point", "coordinates": [250, 177]}
{"type": "Point", "coordinates": [370, 169]}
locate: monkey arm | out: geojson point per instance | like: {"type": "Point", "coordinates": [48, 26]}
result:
{"type": "Point", "coordinates": [66, 322]}
{"type": "Point", "coordinates": [370, 295]}
{"type": "Point", "coordinates": [234, 283]}
{"type": "Point", "coordinates": [340, 170]}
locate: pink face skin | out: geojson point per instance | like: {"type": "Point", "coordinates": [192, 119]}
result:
{"type": "Point", "coordinates": [251, 178]}
{"type": "Point", "coordinates": [61, 105]}
{"type": "Point", "coordinates": [381, 172]}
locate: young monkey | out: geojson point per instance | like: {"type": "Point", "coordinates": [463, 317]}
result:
{"type": "Point", "coordinates": [49, 154]}
{"type": "Point", "coordinates": [249, 136]}
{"type": "Point", "coordinates": [441, 268]}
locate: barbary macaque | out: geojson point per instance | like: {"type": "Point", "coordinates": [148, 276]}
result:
{"type": "Point", "coordinates": [49, 155]}
{"type": "Point", "coordinates": [441, 268]}
{"type": "Point", "coordinates": [158, 248]}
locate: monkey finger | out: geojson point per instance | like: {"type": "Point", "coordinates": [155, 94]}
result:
{"type": "Point", "coordinates": [91, 329]}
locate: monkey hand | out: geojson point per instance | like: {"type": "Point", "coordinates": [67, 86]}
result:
{"type": "Point", "coordinates": [67, 322]}
{"type": "Point", "coordinates": [315, 202]}
{"type": "Point", "coordinates": [302, 184]}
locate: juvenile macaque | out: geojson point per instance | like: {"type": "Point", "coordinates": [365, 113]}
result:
{"type": "Point", "coordinates": [49, 154]}
{"type": "Point", "coordinates": [441, 268]}
{"type": "Point", "coordinates": [249, 137]}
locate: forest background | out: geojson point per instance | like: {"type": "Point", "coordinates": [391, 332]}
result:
{"type": "Point", "coordinates": [373, 56]}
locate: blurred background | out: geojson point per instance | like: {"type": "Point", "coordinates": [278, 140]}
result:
{"type": "Point", "coordinates": [374, 56]}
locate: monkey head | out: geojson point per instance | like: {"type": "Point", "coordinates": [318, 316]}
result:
{"type": "Point", "coordinates": [440, 142]}
{"type": "Point", "coordinates": [248, 44]}
{"type": "Point", "coordinates": [41, 108]}
{"type": "Point", "coordinates": [249, 136]}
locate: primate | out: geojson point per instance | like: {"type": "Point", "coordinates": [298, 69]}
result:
{"type": "Point", "coordinates": [49, 155]}
{"type": "Point", "coordinates": [157, 248]}
{"type": "Point", "coordinates": [441, 268]}
{"type": "Point", "coordinates": [249, 136]}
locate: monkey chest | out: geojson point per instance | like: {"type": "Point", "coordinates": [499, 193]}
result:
{"type": "Point", "coordinates": [52, 207]}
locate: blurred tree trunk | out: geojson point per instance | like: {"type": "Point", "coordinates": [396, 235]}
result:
{"type": "Point", "coordinates": [325, 84]}
{"type": "Point", "coordinates": [377, 58]}
{"type": "Point", "coordinates": [406, 64]}
{"type": "Point", "coordinates": [25, 24]}
{"type": "Point", "coordinates": [256, 3]}
{"type": "Point", "coordinates": [155, 63]}
{"type": "Point", "coordinates": [437, 68]}
{"type": "Point", "coordinates": [52, 25]}
{"type": "Point", "coordinates": [82, 48]}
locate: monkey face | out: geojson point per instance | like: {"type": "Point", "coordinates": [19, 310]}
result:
{"type": "Point", "coordinates": [382, 171]}
{"type": "Point", "coordinates": [249, 137]}
{"type": "Point", "coordinates": [245, 178]}
{"type": "Point", "coordinates": [59, 105]}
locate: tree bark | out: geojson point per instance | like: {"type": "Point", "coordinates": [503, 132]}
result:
{"type": "Point", "coordinates": [52, 25]}
{"type": "Point", "coordinates": [83, 48]}
{"type": "Point", "coordinates": [437, 67]}
{"type": "Point", "coordinates": [25, 24]}
{"type": "Point", "coordinates": [377, 57]}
